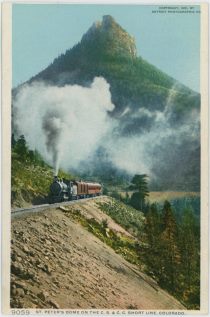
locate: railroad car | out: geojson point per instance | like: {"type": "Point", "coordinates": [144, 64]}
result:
{"type": "Point", "coordinates": [65, 190]}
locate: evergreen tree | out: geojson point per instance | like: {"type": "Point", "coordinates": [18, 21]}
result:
{"type": "Point", "coordinates": [153, 253]}
{"type": "Point", "coordinates": [21, 148]}
{"type": "Point", "coordinates": [170, 250]}
{"type": "Point", "coordinates": [139, 184]}
{"type": "Point", "coordinates": [190, 260]}
{"type": "Point", "coordinates": [152, 227]}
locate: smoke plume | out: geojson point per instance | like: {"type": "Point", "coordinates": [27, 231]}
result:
{"type": "Point", "coordinates": [53, 127]}
{"type": "Point", "coordinates": [67, 125]}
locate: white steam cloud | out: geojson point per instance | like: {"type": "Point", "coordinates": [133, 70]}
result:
{"type": "Point", "coordinates": [65, 124]}
{"type": "Point", "coordinates": [68, 124]}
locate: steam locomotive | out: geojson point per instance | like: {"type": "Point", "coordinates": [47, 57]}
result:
{"type": "Point", "coordinates": [65, 190]}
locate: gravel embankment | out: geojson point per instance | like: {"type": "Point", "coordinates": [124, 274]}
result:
{"type": "Point", "coordinates": [57, 263]}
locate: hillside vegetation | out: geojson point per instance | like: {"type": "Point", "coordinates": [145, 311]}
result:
{"type": "Point", "coordinates": [31, 175]}
{"type": "Point", "coordinates": [128, 217]}
{"type": "Point", "coordinates": [133, 81]}
{"type": "Point", "coordinates": [168, 246]}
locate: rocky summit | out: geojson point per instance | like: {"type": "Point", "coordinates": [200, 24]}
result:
{"type": "Point", "coordinates": [110, 38]}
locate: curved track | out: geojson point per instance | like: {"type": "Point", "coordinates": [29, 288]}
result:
{"type": "Point", "coordinates": [38, 208]}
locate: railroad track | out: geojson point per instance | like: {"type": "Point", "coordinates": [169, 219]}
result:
{"type": "Point", "coordinates": [38, 208]}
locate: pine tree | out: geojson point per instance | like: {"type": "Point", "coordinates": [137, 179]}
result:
{"type": "Point", "coordinates": [153, 253]}
{"type": "Point", "coordinates": [21, 148]}
{"type": "Point", "coordinates": [170, 250]}
{"type": "Point", "coordinates": [139, 184]}
{"type": "Point", "coordinates": [153, 225]}
{"type": "Point", "coordinates": [190, 262]}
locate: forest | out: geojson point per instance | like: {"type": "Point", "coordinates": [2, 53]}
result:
{"type": "Point", "coordinates": [168, 235]}
{"type": "Point", "coordinates": [169, 241]}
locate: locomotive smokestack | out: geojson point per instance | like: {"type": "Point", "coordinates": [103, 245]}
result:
{"type": "Point", "coordinates": [55, 178]}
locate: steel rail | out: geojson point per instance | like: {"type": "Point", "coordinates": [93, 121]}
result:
{"type": "Point", "coordinates": [38, 208]}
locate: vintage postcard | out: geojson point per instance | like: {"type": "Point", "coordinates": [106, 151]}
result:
{"type": "Point", "coordinates": [105, 158]}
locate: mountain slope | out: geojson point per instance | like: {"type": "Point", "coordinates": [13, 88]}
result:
{"type": "Point", "coordinates": [109, 51]}
{"type": "Point", "coordinates": [149, 105]}
{"type": "Point", "coordinates": [57, 263]}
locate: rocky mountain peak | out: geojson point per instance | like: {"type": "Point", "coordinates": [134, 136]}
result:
{"type": "Point", "coordinates": [111, 37]}
{"type": "Point", "coordinates": [108, 21]}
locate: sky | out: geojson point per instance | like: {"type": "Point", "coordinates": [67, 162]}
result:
{"type": "Point", "coordinates": [41, 32]}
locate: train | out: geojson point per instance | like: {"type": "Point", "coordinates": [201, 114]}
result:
{"type": "Point", "coordinates": [66, 190]}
